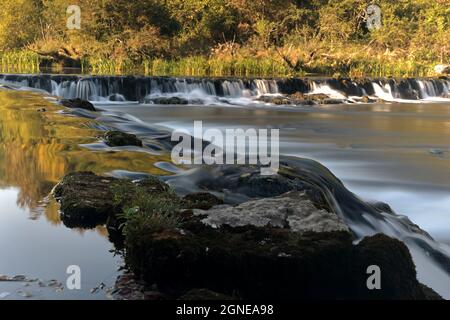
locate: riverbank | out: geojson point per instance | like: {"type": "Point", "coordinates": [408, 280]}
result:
{"type": "Point", "coordinates": [266, 64]}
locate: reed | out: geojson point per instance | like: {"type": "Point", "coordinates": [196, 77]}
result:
{"type": "Point", "coordinates": [19, 62]}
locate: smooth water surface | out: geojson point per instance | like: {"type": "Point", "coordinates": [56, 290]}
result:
{"type": "Point", "coordinates": [36, 150]}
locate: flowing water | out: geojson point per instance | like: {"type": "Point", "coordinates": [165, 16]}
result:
{"type": "Point", "coordinates": [396, 152]}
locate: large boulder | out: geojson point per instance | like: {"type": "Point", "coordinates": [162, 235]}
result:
{"type": "Point", "coordinates": [283, 242]}
{"type": "Point", "coordinates": [272, 248]}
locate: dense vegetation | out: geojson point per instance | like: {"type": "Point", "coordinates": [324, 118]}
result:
{"type": "Point", "coordinates": [243, 37]}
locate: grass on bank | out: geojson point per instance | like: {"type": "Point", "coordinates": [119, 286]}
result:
{"type": "Point", "coordinates": [19, 62]}
{"type": "Point", "coordinates": [267, 64]}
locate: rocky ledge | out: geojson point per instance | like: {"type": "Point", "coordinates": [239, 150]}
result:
{"type": "Point", "coordinates": [288, 246]}
{"type": "Point", "coordinates": [299, 98]}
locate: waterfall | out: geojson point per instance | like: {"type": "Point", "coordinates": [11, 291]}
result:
{"type": "Point", "coordinates": [229, 90]}
{"type": "Point", "coordinates": [320, 88]}
{"type": "Point", "coordinates": [384, 92]}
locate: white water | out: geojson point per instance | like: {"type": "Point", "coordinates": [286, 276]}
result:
{"type": "Point", "coordinates": [212, 91]}
{"type": "Point", "coordinates": [327, 90]}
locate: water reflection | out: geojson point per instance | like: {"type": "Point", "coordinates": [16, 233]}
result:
{"type": "Point", "coordinates": [38, 148]}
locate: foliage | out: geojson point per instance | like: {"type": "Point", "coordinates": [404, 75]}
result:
{"type": "Point", "coordinates": [242, 37]}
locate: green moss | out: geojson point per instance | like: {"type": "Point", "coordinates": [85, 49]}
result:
{"type": "Point", "coordinates": [147, 206]}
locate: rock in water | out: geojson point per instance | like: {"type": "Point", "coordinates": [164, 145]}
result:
{"type": "Point", "coordinates": [272, 248]}
{"type": "Point", "coordinates": [167, 100]}
{"type": "Point", "coordinates": [289, 245]}
{"type": "Point", "coordinates": [292, 210]}
{"type": "Point", "coordinates": [86, 199]}
{"type": "Point", "coordinates": [78, 103]}
{"type": "Point", "coordinates": [118, 139]}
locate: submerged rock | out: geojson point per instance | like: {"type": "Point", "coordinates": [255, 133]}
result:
{"type": "Point", "coordinates": [119, 138]}
{"type": "Point", "coordinates": [367, 99]}
{"type": "Point", "coordinates": [78, 103]}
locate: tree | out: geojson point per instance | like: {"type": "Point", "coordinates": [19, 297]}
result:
{"type": "Point", "coordinates": [20, 22]}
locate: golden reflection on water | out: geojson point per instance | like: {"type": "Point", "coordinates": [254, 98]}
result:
{"type": "Point", "coordinates": [38, 148]}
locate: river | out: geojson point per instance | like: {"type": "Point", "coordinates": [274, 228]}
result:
{"type": "Point", "coordinates": [396, 152]}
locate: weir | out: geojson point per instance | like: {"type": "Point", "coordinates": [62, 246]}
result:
{"type": "Point", "coordinates": [140, 88]}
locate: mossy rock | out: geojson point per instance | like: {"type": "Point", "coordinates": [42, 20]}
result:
{"type": "Point", "coordinates": [85, 198]}
{"type": "Point", "coordinates": [119, 139]}
{"type": "Point", "coordinates": [88, 200]}
{"type": "Point", "coordinates": [272, 263]}
{"type": "Point", "coordinates": [78, 103]}
{"type": "Point", "coordinates": [398, 273]}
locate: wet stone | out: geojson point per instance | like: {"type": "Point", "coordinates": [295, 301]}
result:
{"type": "Point", "coordinates": [78, 104]}
{"type": "Point", "coordinates": [118, 139]}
